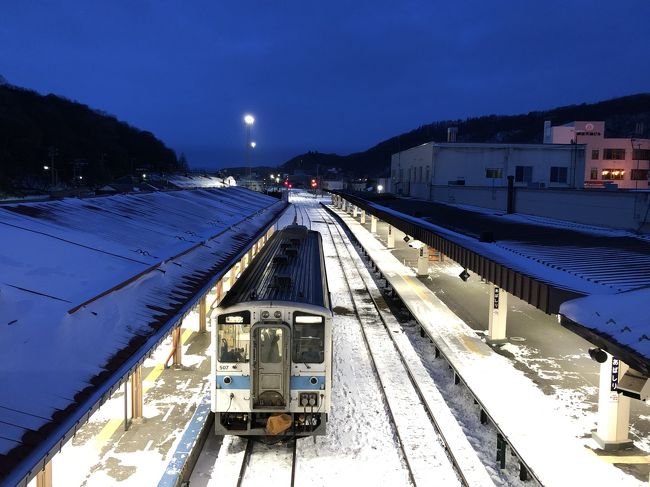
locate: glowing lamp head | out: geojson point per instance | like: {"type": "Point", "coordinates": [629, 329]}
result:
{"type": "Point", "coordinates": [249, 119]}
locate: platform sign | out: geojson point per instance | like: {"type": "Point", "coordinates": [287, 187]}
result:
{"type": "Point", "coordinates": [614, 382]}
{"type": "Point", "coordinates": [495, 304]}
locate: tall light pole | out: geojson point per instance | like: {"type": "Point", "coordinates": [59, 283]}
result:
{"type": "Point", "coordinates": [249, 120]}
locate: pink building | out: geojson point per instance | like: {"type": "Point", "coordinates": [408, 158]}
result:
{"type": "Point", "coordinates": [622, 163]}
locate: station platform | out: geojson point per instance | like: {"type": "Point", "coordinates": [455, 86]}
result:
{"type": "Point", "coordinates": [104, 453]}
{"type": "Point", "coordinates": [537, 426]}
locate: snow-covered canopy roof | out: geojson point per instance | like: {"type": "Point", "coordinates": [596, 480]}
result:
{"type": "Point", "coordinates": [196, 181]}
{"type": "Point", "coordinates": [88, 286]}
{"type": "Point", "coordinates": [610, 267]}
{"type": "Point", "coordinates": [618, 323]}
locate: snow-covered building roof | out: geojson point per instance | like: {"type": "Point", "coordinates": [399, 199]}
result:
{"type": "Point", "coordinates": [197, 181]}
{"type": "Point", "coordinates": [89, 286]}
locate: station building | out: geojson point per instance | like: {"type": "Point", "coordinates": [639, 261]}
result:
{"type": "Point", "coordinates": [416, 171]}
{"type": "Point", "coordinates": [610, 162]}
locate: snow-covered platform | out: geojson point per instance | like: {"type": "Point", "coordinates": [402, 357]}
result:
{"type": "Point", "coordinates": [532, 424]}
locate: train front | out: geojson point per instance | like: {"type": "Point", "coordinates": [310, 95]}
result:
{"type": "Point", "coordinates": [272, 369]}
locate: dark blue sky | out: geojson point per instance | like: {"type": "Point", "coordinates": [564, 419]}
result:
{"type": "Point", "coordinates": [335, 76]}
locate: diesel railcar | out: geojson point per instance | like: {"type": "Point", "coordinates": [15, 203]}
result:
{"type": "Point", "coordinates": [272, 342]}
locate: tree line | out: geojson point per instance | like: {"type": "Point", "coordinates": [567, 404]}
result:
{"type": "Point", "coordinates": [84, 146]}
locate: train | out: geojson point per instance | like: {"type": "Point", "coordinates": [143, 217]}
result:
{"type": "Point", "coordinates": [272, 342]}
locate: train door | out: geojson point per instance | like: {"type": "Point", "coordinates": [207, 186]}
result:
{"type": "Point", "coordinates": [270, 384]}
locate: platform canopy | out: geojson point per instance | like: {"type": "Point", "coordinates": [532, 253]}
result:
{"type": "Point", "coordinates": [596, 278]}
{"type": "Point", "coordinates": [619, 324]}
{"type": "Point", "coordinates": [543, 262]}
{"type": "Point", "coordinates": [89, 286]}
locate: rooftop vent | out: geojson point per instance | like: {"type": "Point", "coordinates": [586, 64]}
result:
{"type": "Point", "coordinates": [281, 260]}
{"type": "Point", "coordinates": [282, 280]}
{"type": "Point", "coordinates": [291, 252]}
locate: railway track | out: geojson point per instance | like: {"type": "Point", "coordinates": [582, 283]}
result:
{"type": "Point", "coordinates": [427, 452]}
{"type": "Point", "coordinates": [256, 460]}
{"type": "Point", "coordinates": [426, 455]}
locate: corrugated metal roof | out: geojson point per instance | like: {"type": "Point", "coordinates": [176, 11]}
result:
{"type": "Point", "coordinates": [545, 264]}
{"type": "Point", "coordinates": [524, 258]}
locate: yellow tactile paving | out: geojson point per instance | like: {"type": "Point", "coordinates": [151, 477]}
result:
{"type": "Point", "coordinates": [624, 459]}
{"type": "Point", "coordinates": [149, 381]}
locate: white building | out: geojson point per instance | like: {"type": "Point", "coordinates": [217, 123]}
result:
{"type": "Point", "coordinates": [416, 171]}
{"type": "Point", "coordinates": [618, 162]}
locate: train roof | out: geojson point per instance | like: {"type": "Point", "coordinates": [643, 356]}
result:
{"type": "Point", "coordinates": [290, 267]}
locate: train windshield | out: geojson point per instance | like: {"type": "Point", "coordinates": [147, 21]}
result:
{"type": "Point", "coordinates": [309, 341]}
{"type": "Point", "coordinates": [234, 343]}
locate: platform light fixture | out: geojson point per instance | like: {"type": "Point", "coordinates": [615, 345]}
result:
{"type": "Point", "coordinates": [598, 354]}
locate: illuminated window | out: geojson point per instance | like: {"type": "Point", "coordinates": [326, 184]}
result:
{"type": "Point", "coordinates": [610, 174]}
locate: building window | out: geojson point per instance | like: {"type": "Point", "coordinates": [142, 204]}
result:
{"type": "Point", "coordinates": [609, 174]}
{"type": "Point", "coordinates": [559, 174]}
{"type": "Point", "coordinates": [420, 174]}
{"type": "Point", "coordinates": [641, 154]}
{"type": "Point", "coordinates": [428, 179]}
{"type": "Point", "coordinates": [523, 174]}
{"type": "Point", "coordinates": [639, 175]}
{"type": "Point", "coordinates": [594, 173]}
{"type": "Point", "coordinates": [614, 154]}
{"type": "Point", "coordinates": [494, 173]}
{"type": "Point", "coordinates": [594, 154]}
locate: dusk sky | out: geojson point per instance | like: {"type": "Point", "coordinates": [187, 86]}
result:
{"type": "Point", "coordinates": [335, 76]}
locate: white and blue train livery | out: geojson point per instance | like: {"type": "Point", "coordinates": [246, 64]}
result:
{"type": "Point", "coordinates": [272, 342]}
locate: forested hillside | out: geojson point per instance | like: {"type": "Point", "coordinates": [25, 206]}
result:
{"type": "Point", "coordinates": [86, 146]}
{"type": "Point", "coordinates": [620, 114]}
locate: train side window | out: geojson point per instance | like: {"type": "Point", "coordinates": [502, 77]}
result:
{"type": "Point", "coordinates": [234, 343]}
{"type": "Point", "coordinates": [309, 343]}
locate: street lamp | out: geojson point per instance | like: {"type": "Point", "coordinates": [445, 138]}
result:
{"type": "Point", "coordinates": [249, 120]}
{"type": "Point", "coordinates": [253, 144]}
{"type": "Point", "coordinates": [379, 188]}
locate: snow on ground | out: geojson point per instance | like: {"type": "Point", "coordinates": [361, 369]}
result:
{"type": "Point", "coordinates": [557, 437]}
{"type": "Point", "coordinates": [360, 447]}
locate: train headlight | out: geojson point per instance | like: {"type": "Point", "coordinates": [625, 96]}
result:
{"type": "Point", "coordinates": [278, 314]}
{"type": "Point", "coordinates": [265, 314]}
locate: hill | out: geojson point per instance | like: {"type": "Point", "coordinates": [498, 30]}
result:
{"type": "Point", "coordinates": [37, 130]}
{"type": "Point", "coordinates": [621, 116]}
